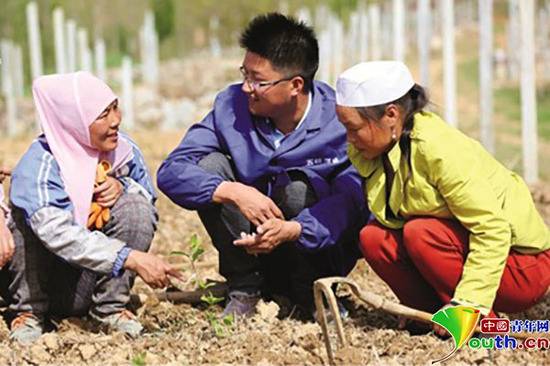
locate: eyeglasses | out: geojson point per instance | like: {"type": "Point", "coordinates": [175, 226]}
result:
{"type": "Point", "coordinates": [256, 85]}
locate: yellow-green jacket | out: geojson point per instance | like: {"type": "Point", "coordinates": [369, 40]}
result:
{"type": "Point", "coordinates": [454, 176]}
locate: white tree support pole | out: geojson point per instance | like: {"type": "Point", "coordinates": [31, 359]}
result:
{"type": "Point", "coordinates": [150, 71]}
{"type": "Point", "coordinates": [386, 34]}
{"type": "Point", "coordinates": [363, 34]}
{"type": "Point", "coordinates": [33, 31]}
{"type": "Point", "coordinates": [449, 71]}
{"type": "Point", "coordinates": [486, 74]}
{"type": "Point", "coordinates": [17, 67]}
{"type": "Point", "coordinates": [85, 59]}
{"type": "Point", "coordinates": [424, 40]}
{"type": "Point", "coordinates": [127, 93]}
{"type": "Point", "coordinates": [544, 34]}
{"type": "Point", "coordinates": [71, 46]}
{"type": "Point", "coordinates": [352, 40]}
{"type": "Point", "coordinates": [399, 30]}
{"type": "Point", "coordinates": [6, 49]}
{"type": "Point", "coordinates": [324, 56]}
{"type": "Point", "coordinates": [59, 40]}
{"type": "Point", "coordinates": [100, 59]}
{"type": "Point", "coordinates": [375, 40]}
{"type": "Point", "coordinates": [337, 49]}
{"type": "Point", "coordinates": [513, 38]}
{"type": "Point", "coordinates": [528, 92]}
{"type": "Point", "coordinates": [215, 47]}
{"type": "Point", "coordinates": [304, 15]}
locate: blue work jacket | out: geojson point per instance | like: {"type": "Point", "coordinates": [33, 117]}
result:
{"type": "Point", "coordinates": [317, 148]}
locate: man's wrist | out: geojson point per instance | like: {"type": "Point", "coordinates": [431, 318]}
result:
{"type": "Point", "coordinates": [296, 230]}
{"type": "Point", "coordinates": [224, 193]}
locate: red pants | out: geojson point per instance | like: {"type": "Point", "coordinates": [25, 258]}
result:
{"type": "Point", "coordinates": [423, 264]}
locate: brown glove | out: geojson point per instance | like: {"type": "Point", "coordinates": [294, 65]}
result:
{"type": "Point", "coordinates": [99, 215]}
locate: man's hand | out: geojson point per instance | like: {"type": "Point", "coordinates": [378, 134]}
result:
{"type": "Point", "coordinates": [108, 192]}
{"type": "Point", "coordinates": [7, 246]}
{"type": "Point", "coordinates": [152, 269]}
{"type": "Point", "coordinates": [254, 205]}
{"type": "Point", "coordinates": [270, 235]}
{"type": "Point", "coordinates": [4, 172]}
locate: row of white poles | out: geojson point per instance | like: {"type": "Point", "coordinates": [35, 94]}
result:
{"type": "Point", "coordinates": [72, 53]}
{"type": "Point", "coordinates": [363, 41]}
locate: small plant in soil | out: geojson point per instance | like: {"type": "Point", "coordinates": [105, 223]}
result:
{"type": "Point", "coordinates": [220, 326]}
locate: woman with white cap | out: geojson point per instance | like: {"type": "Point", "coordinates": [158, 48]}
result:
{"type": "Point", "coordinates": [451, 225]}
{"type": "Point", "coordinates": [82, 213]}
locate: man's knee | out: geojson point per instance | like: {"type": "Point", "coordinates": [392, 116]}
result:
{"type": "Point", "coordinates": [218, 163]}
{"type": "Point", "coordinates": [295, 196]}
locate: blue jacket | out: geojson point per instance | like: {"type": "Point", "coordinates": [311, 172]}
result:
{"type": "Point", "coordinates": [36, 180]}
{"type": "Point", "coordinates": [317, 148]}
{"type": "Point", "coordinates": [38, 191]}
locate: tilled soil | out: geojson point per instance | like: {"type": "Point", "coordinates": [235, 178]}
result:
{"type": "Point", "coordinates": [181, 334]}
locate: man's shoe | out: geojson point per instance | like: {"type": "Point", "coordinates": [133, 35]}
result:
{"type": "Point", "coordinates": [123, 321]}
{"type": "Point", "coordinates": [241, 304]}
{"type": "Point", "coordinates": [26, 328]}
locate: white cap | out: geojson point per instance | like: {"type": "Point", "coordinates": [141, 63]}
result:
{"type": "Point", "coordinates": [373, 83]}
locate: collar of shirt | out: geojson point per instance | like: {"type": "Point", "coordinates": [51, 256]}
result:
{"type": "Point", "coordinates": [276, 135]}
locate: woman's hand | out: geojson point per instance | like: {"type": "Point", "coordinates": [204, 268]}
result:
{"type": "Point", "coordinates": [108, 192]}
{"type": "Point", "coordinates": [152, 269]}
{"type": "Point", "coordinates": [7, 246]}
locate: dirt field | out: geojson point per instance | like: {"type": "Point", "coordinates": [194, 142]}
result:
{"type": "Point", "coordinates": [181, 334]}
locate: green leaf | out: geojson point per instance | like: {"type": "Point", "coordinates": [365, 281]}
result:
{"type": "Point", "coordinates": [211, 299]}
{"type": "Point", "coordinates": [196, 250]}
{"type": "Point", "coordinates": [203, 285]}
{"type": "Point", "coordinates": [139, 359]}
{"type": "Point", "coordinates": [228, 320]}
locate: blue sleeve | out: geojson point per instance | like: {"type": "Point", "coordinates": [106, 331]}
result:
{"type": "Point", "coordinates": [36, 183]}
{"type": "Point", "coordinates": [180, 178]}
{"type": "Point", "coordinates": [139, 173]}
{"type": "Point", "coordinates": [118, 267]}
{"type": "Point", "coordinates": [342, 210]}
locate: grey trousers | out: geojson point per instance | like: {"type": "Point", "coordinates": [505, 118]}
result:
{"type": "Point", "coordinates": [287, 270]}
{"type": "Point", "coordinates": [44, 284]}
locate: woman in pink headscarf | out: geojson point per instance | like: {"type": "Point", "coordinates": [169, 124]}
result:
{"type": "Point", "coordinates": [82, 213]}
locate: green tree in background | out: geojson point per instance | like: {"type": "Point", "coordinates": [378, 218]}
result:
{"type": "Point", "coordinates": [164, 17]}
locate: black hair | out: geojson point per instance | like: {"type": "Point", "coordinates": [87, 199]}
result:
{"type": "Point", "coordinates": [290, 45]}
{"type": "Point", "coordinates": [411, 103]}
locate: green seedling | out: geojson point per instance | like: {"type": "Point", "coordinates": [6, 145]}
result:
{"type": "Point", "coordinates": [210, 299]}
{"type": "Point", "coordinates": [203, 285]}
{"type": "Point", "coordinates": [221, 327]}
{"type": "Point", "coordinates": [195, 252]}
{"type": "Point", "coordinates": [139, 359]}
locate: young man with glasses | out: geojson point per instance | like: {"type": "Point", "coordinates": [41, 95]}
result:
{"type": "Point", "coordinates": [267, 172]}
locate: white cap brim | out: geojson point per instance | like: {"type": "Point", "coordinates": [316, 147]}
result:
{"type": "Point", "coordinates": [373, 83]}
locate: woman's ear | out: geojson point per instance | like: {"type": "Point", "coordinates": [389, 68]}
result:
{"type": "Point", "coordinates": [392, 115]}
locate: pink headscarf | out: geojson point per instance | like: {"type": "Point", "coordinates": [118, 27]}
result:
{"type": "Point", "coordinates": [67, 104]}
